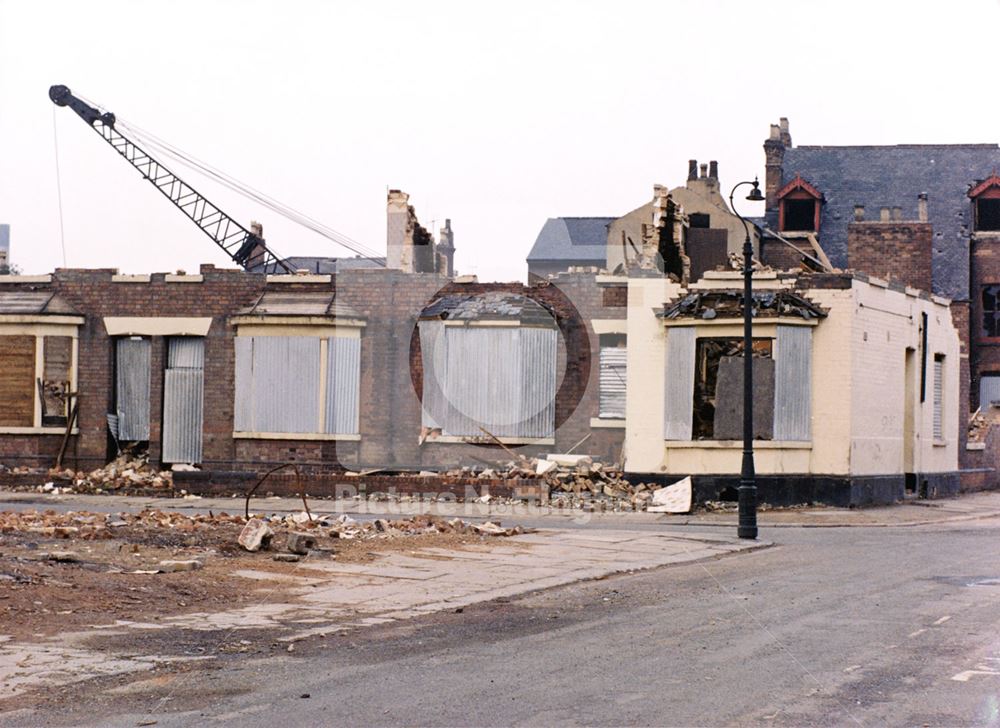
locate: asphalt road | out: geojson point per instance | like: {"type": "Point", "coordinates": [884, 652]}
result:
{"type": "Point", "coordinates": [834, 626]}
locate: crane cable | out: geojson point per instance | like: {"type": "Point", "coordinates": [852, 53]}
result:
{"type": "Point", "coordinates": [251, 193]}
{"type": "Point", "coordinates": [62, 229]}
{"type": "Point", "coordinates": [246, 190]}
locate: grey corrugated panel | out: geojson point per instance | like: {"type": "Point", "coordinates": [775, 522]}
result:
{"type": "Point", "coordinates": [343, 380]}
{"type": "Point", "coordinates": [14, 302]}
{"type": "Point", "coordinates": [285, 384]}
{"type": "Point", "coordinates": [938, 399]}
{"type": "Point", "coordinates": [679, 396]}
{"type": "Point", "coordinates": [793, 383]}
{"type": "Point", "coordinates": [243, 414]}
{"type": "Point", "coordinates": [183, 405]}
{"type": "Point", "coordinates": [989, 390]}
{"type": "Point", "coordinates": [301, 303]}
{"type": "Point", "coordinates": [132, 389]}
{"type": "Point", "coordinates": [183, 400]}
{"type": "Point", "coordinates": [502, 379]}
{"type": "Point", "coordinates": [435, 362]}
{"type": "Point", "coordinates": [613, 378]}
{"type": "Point", "coordinates": [538, 382]}
{"type": "Point", "coordinates": [186, 352]}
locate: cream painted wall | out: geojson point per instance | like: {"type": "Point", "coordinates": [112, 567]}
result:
{"type": "Point", "coordinates": [647, 352]}
{"type": "Point", "coordinates": [885, 324]}
{"type": "Point", "coordinates": [858, 388]}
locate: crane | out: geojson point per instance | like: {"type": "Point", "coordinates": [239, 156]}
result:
{"type": "Point", "coordinates": [246, 248]}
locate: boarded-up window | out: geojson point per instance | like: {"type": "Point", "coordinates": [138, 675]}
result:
{"type": "Point", "coordinates": [278, 382]}
{"type": "Point", "coordinates": [679, 385]}
{"type": "Point", "coordinates": [718, 389]}
{"type": "Point", "coordinates": [613, 376]}
{"type": "Point", "coordinates": [502, 379]}
{"type": "Point", "coordinates": [793, 384]}
{"type": "Point", "coordinates": [989, 391]}
{"type": "Point", "coordinates": [57, 352]}
{"type": "Point", "coordinates": [938, 397]}
{"type": "Point", "coordinates": [183, 400]}
{"type": "Point", "coordinates": [132, 358]}
{"type": "Point", "coordinates": [17, 381]}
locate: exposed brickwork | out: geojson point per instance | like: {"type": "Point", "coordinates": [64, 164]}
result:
{"type": "Point", "coordinates": [779, 256]}
{"type": "Point", "coordinates": [390, 414]}
{"type": "Point", "coordinates": [614, 296]}
{"type": "Point", "coordinates": [898, 251]}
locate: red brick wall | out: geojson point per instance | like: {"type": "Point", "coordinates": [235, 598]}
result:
{"type": "Point", "coordinates": [899, 251]}
{"type": "Point", "coordinates": [389, 301]}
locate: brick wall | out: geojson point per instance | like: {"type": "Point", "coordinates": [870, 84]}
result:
{"type": "Point", "coordinates": [390, 413]}
{"type": "Point", "coordinates": [898, 251]}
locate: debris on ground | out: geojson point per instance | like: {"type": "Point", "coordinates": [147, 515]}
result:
{"type": "Point", "coordinates": [129, 473]}
{"type": "Point", "coordinates": [297, 534]}
{"type": "Point", "coordinates": [570, 481]}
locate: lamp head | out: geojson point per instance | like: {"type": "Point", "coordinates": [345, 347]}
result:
{"type": "Point", "coordinates": [755, 195]}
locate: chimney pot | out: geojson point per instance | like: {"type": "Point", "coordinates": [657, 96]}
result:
{"type": "Point", "coordinates": [922, 207]}
{"type": "Point", "coordinates": [883, 214]}
{"type": "Point", "coordinates": [775, 131]}
{"type": "Point", "coordinates": [897, 213]}
{"type": "Point", "coordinates": [713, 170]}
{"type": "Point", "coordinates": [692, 169]}
{"type": "Point", "coordinates": [704, 170]}
{"type": "Point", "coordinates": [859, 213]}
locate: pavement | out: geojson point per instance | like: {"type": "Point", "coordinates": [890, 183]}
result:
{"type": "Point", "coordinates": [879, 616]}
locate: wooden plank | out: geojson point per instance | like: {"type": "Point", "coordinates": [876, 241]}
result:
{"type": "Point", "coordinates": [17, 381]}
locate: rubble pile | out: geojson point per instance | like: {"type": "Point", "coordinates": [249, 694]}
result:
{"type": "Point", "coordinates": [126, 472]}
{"type": "Point", "coordinates": [300, 533]}
{"type": "Point", "coordinates": [90, 526]}
{"type": "Point", "coordinates": [979, 427]}
{"type": "Point", "coordinates": [572, 481]}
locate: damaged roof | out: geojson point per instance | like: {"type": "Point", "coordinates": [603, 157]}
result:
{"type": "Point", "coordinates": [893, 176]}
{"type": "Point", "coordinates": [580, 239]}
{"type": "Point", "coordinates": [34, 303]}
{"type": "Point", "coordinates": [493, 306]}
{"type": "Point", "coordinates": [300, 303]}
{"type": "Point", "coordinates": [724, 303]}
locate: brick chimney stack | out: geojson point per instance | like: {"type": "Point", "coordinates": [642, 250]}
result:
{"type": "Point", "coordinates": [779, 140]}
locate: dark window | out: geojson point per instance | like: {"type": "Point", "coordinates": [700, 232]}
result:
{"type": "Point", "coordinates": [718, 389]}
{"type": "Point", "coordinates": [991, 310]}
{"type": "Point", "coordinates": [700, 220]}
{"type": "Point", "coordinates": [988, 214]}
{"type": "Point", "coordinates": [800, 215]}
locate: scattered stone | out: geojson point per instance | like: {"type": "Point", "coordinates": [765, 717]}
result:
{"type": "Point", "coordinates": [170, 566]}
{"type": "Point", "coordinates": [64, 557]}
{"type": "Point", "coordinates": [300, 543]}
{"type": "Point", "coordinates": [255, 535]}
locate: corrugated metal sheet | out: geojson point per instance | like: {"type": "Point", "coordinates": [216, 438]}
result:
{"type": "Point", "coordinates": [989, 391]}
{"type": "Point", "coordinates": [503, 379]}
{"type": "Point", "coordinates": [301, 303]}
{"type": "Point", "coordinates": [679, 395]}
{"type": "Point", "coordinates": [183, 415]}
{"type": "Point", "coordinates": [938, 398]}
{"type": "Point", "coordinates": [183, 400]}
{"type": "Point", "coordinates": [132, 389]}
{"type": "Point", "coordinates": [186, 352]}
{"type": "Point", "coordinates": [243, 385]}
{"type": "Point", "coordinates": [343, 381]}
{"type": "Point", "coordinates": [433, 353]}
{"type": "Point", "coordinates": [613, 378]}
{"type": "Point", "coordinates": [793, 383]}
{"type": "Point", "coordinates": [281, 386]}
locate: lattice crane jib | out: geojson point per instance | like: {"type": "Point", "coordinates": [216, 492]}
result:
{"type": "Point", "coordinates": [243, 246]}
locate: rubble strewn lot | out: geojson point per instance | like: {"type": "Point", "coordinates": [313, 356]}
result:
{"type": "Point", "coordinates": [61, 572]}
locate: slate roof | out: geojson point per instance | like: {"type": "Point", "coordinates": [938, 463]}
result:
{"type": "Point", "coordinates": [893, 176]}
{"type": "Point", "coordinates": [492, 306]}
{"type": "Point", "coordinates": [300, 303]}
{"type": "Point", "coordinates": [33, 303]}
{"type": "Point", "coordinates": [580, 239]}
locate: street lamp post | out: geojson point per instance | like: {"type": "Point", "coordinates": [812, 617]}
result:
{"type": "Point", "coordinates": [748, 478]}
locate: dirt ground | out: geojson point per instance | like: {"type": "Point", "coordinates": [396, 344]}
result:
{"type": "Point", "coordinates": [55, 580]}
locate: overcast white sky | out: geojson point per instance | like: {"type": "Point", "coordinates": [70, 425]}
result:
{"type": "Point", "coordinates": [497, 115]}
